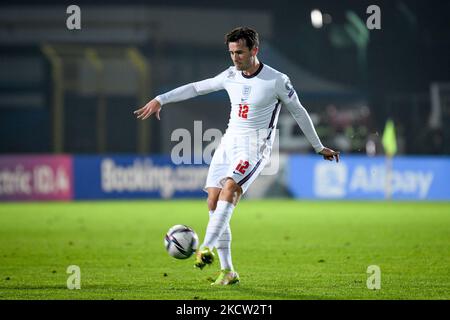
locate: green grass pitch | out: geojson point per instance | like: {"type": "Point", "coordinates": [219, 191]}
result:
{"type": "Point", "coordinates": [283, 249]}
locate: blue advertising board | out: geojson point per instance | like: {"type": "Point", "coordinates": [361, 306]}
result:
{"type": "Point", "coordinates": [362, 177]}
{"type": "Point", "coordinates": [127, 177]}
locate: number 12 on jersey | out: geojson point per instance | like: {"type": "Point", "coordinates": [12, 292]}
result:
{"type": "Point", "coordinates": [242, 166]}
{"type": "Point", "coordinates": [243, 111]}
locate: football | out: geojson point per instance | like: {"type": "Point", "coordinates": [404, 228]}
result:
{"type": "Point", "coordinates": [181, 241]}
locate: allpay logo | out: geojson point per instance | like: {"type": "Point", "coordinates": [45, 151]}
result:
{"type": "Point", "coordinates": [337, 181]}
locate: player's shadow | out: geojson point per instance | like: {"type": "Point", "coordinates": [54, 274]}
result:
{"type": "Point", "coordinates": [274, 295]}
{"type": "Point", "coordinates": [255, 294]}
{"type": "Point", "coordinates": [278, 295]}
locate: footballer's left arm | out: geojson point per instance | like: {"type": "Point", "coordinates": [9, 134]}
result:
{"type": "Point", "coordinates": [289, 97]}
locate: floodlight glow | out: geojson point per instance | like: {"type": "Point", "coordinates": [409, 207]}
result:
{"type": "Point", "coordinates": [316, 18]}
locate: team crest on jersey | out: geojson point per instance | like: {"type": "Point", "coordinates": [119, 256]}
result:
{"type": "Point", "coordinates": [231, 74]}
{"type": "Point", "coordinates": [246, 92]}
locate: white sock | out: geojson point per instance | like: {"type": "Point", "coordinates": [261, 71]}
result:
{"type": "Point", "coordinates": [218, 223]}
{"type": "Point", "coordinates": [224, 248]}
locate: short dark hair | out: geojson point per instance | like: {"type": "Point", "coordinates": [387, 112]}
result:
{"type": "Point", "coordinates": [250, 36]}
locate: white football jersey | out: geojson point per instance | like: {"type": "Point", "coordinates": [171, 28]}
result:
{"type": "Point", "coordinates": [255, 100]}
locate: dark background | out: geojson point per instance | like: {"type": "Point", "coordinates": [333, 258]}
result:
{"type": "Point", "coordinates": [390, 78]}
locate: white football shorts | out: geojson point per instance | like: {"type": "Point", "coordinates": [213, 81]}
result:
{"type": "Point", "coordinates": [239, 158]}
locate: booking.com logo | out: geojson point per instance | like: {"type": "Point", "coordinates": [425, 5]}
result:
{"type": "Point", "coordinates": [252, 147]}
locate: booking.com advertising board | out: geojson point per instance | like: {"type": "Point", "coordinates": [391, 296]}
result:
{"type": "Point", "coordinates": [65, 177]}
{"type": "Point", "coordinates": [136, 177]}
{"type": "Point", "coordinates": [369, 178]}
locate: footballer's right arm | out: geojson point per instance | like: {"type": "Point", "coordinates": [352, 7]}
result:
{"type": "Point", "coordinates": [182, 93]}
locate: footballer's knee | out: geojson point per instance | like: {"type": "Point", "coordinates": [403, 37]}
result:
{"type": "Point", "coordinates": [231, 192]}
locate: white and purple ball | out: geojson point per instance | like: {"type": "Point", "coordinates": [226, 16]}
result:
{"type": "Point", "coordinates": [181, 241]}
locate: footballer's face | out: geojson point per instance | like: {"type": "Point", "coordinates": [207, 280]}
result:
{"type": "Point", "coordinates": [241, 55]}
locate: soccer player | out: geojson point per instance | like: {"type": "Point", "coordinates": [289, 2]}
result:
{"type": "Point", "coordinates": [256, 93]}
